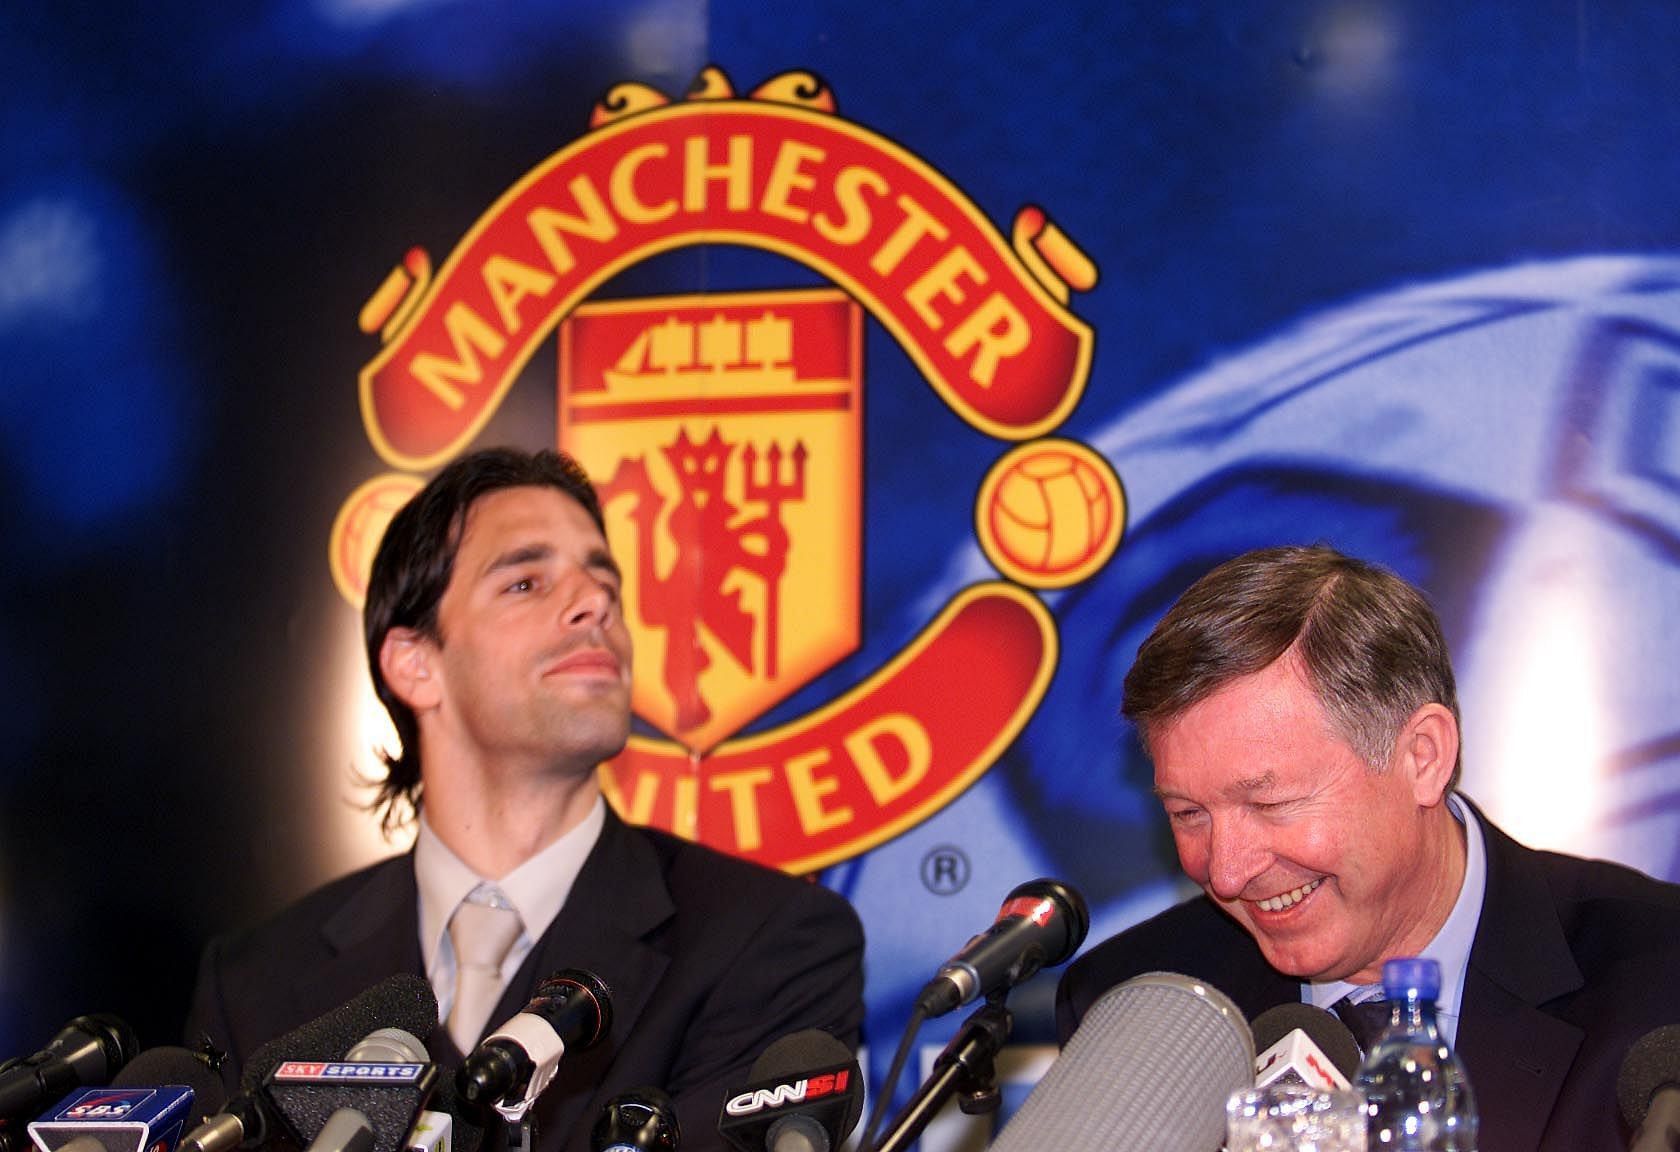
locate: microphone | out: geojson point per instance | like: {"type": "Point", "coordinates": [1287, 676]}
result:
{"type": "Point", "coordinates": [88, 1050]}
{"type": "Point", "coordinates": [1305, 1046]}
{"type": "Point", "coordinates": [571, 1010]}
{"type": "Point", "coordinates": [1150, 1066]}
{"type": "Point", "coordinates": [640, 1120]}
{"type": "Point", "coordinates": [363, 1103]}
{"type": "Point", "coordinates": [146, 1108]}
{"type": "Point", "coordinates": [806, 1096]}
{"type": "Point", "coordinates": [404, 1001]}
{"type": "Point", "coordinates": [1042, 922]}
{"type": "Point", "coordinates": [443, 1125]}
{"type": "Point", "coordinates": [1648, 1090]}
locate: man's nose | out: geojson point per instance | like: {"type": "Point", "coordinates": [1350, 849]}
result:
{"type": "Point", "coordinates": [589, 601]}
{"type": "Point", "coordinates": [1236, 854]}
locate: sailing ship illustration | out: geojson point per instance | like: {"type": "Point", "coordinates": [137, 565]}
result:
{"type": "Point", "coordinates": [689, 352]}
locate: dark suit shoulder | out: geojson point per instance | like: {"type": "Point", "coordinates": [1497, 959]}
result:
{"type": "Point", "coordinates": [1620, 923]}
{"type": "Point", "coordinates": [1577, 882]}
{"type": "Point", "coordinates": [260, 981]}
{"type": "Point", "coordinates": [299, 925]}
{"type": "Point", "coordinates": [706, 884]}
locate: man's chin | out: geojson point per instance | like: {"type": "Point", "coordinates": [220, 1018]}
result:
{"type": "Point", "coordinates": [1301, 958]}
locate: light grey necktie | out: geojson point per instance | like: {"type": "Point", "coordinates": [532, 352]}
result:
{"type": "Point", "coordinates": [482, 935]}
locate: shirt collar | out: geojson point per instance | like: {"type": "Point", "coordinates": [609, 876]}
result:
{"type": "Point", "coordinates": [1451, 945]}
{"type": "Point", "coordinates": [537, 889]}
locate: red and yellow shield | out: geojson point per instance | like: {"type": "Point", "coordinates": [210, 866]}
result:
{"type": "Point", "coordinates": [724, 432]}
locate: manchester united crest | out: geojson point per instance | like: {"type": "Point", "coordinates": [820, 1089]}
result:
{"type": "Point", "coordinates": [724, 432]}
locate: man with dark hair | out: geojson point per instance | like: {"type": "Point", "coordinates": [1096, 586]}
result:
{"type": "Point", "coordinates": [1299, 708]}
{"type": "Point", "coordinates": [496, 640]}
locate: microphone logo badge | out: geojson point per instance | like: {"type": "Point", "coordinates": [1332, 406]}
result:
{"type": "Point", "coordinates": [105, 1104]}
{"type": "Point", "coordinates": [118, 1119]}
{"type": "Point", "coordinates": [347, 1072]}
{"type": "Point", "coordinates": [791, 1092]}
{"type": "Point", "coordinates": [1038, 909]}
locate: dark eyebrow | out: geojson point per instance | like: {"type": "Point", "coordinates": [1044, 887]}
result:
{"type": "Point", "coordinates": [598, 560]}
{"type": "Point", "coordinates": [514, 557]}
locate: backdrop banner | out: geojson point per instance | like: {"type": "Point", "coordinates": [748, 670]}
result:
{"type": "Point", "coordinates": [922, 356]}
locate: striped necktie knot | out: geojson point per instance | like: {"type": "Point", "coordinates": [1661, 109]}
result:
{"type": "Point", "coordinates": [1365, 1013]}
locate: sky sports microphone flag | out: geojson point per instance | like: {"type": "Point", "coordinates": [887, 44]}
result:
{"type": "Point", "coordinates": [385, 1095]}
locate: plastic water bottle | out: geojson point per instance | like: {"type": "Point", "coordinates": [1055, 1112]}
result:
{"type": "Point", "coordinates": [1417, 1097]}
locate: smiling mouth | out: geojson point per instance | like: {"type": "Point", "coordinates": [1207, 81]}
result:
{"type": "Point", "coordinates": [1288, 899]}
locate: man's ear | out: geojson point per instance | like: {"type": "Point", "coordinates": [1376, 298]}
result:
{"type": "Point", "coordinates": [1428, 749]}
{"type": "Point", "coordinates": [406, 660]}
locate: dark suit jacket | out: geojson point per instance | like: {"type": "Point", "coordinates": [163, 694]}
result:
{"type": "Point", "coordinates": [1573, 961]}
{"type": "Point", "coordinates": [709, 960]}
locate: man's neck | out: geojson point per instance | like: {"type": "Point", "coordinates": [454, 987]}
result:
{"type": "Point", "coordinates": [496, 825]}
{"type": "Point", "coordinates": [1438, 887]}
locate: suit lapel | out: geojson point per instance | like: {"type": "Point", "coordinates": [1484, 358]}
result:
{"type": "Point", "coordinates": [618, 899]}
{"type": "Point", "coordinates": [1518, 1055]}
{"type": "Point", "coordinates": [372, 935]}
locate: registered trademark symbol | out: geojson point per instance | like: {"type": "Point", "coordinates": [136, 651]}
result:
{"type": "Point", "coordinates": [945, 870]}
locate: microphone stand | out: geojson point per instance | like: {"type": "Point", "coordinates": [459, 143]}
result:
{"type": "Point", "coordinates": [965, 1066]}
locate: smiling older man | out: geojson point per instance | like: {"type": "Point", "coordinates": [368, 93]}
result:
{"type": "Point", "coordinates": [1300, 711]}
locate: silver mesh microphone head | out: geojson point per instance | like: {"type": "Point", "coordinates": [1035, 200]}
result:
{"type": "Point", "coordinates": [1149, 1069]}
{"type": "Point", "coordinates": [389, 1046]}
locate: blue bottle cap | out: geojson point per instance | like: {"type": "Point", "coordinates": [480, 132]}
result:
{"type": "Point", "coordinates": [1406, 977]}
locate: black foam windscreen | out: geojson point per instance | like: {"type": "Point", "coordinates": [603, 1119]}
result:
{"type": "Point", "coordinates": [401, 1001]}
{"type": "Point", "coordinates": [798, 1053]}
{"type": "Point", "coordinates": [1652, 1063]}
{"type": "Point", "coordinates": [1323, 1028]}
{"type": "Point", "coordinates": [389, 1110]}
{"type": "Point", "coordinates": [166, 1065]}
{"type": "Point", "coordinates": [811, 1048]}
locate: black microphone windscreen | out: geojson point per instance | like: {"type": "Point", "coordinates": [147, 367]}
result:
{"type": "Point", "coordinates": [640, 1120]}
{"type": "Point", "coordinates": [1150, 1066]}
{"type": "Point", "coordinates": [800, 1052]}
{"type": "Point", "coordinates": [98, 1045]}
{"type": "Point", "coordinates": [401, 1001]}
{"type": "Point", "coordinates": [88, 1050]}
{"type": "Point", "coordinates": [1076, 916]}
{"type": "Point", "coordinates": [166, 1065]}
{"type": "Point", "coordinates": [1652, 1063]}
{"type": "Point", "coordinates": [797, 1052]}
{"type": "Point", "coordinates": [1322, 1028]}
